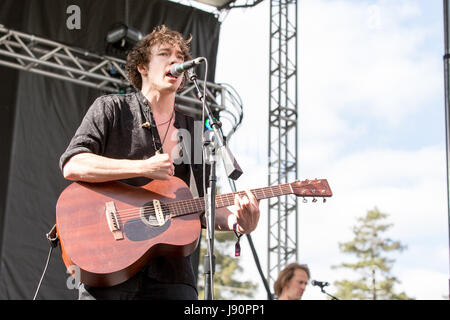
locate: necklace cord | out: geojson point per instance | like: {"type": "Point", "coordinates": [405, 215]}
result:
{"type": "Point", "coordinates": [167, 129]}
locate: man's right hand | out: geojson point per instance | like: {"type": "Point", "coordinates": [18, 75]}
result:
{"type": "Point", "coordinates": [159, 167]}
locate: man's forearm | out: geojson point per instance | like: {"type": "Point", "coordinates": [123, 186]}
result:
{"type": "Point", "coordinates": [90, 167]}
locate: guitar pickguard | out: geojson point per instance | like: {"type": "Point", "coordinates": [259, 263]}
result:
{"type": "Point", "coordinates": [137, 230]}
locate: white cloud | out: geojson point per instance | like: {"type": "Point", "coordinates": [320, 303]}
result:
{"type": "Point", "coordinates": [424, 284]}
{"type": "Point", "coordinates": [360, 63]}
{"type": "Point", "coordinates": [347, 65]}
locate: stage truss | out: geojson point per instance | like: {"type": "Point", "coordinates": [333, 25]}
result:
{"type": "Point", "coordinates": [283, 135]}
{"type": "Point", "coordinates": [29, 53]}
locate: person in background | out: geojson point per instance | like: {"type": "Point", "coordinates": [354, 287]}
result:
{"type": "Point", "coordinates": [291, 282]}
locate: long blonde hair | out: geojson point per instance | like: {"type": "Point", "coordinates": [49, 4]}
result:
{"type": "Point", "coordinates": [286, 274]}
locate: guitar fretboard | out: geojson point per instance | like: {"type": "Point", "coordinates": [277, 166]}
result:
{"type": "Point", "coordinates": [183, 207]}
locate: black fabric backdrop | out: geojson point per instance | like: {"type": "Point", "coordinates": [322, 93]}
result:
{"type": "Point", "coordinates": [39, 115]}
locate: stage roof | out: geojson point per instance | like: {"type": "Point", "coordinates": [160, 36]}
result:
{"type": "Point", "coordinates": [216, 3]}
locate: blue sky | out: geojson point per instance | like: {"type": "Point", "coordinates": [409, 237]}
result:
{"type": "Point", "coordinates": [406, 135]}
{"type": "Point", "coordinates": [371, 121]}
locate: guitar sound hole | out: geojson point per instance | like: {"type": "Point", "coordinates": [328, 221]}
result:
{"type": "Point", "coordinates": [149, 215]}
{"type": "Point", "coordinates": [147, 225]}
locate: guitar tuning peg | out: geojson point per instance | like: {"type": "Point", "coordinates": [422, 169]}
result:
{"type": "Point", "coordinates": [304, 200]}
{"type": "Point", "coordinates": [314, 200]}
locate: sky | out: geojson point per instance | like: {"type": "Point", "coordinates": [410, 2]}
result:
{"type": "Point", "coordinates": [371, 121]}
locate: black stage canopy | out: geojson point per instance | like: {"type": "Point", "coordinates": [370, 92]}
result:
{"type": "Point", "coordinates": [39, 115]}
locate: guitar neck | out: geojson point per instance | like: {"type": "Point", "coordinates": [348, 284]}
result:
{"type": "Point", "coordinates": [227, 199]}
{"type": "Point", "coordinates": [184, 207]}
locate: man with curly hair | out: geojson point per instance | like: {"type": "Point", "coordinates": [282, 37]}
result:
{"type": "Point", "coordinates": [134, 138]}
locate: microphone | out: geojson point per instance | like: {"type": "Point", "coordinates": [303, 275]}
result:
{"type": "Point", "coordinates": [319, 283]}
{"type": "Point", "coordinates": [177, 69]}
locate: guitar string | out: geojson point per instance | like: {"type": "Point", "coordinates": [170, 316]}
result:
{"type": "Point", "coordinates": [186, 206]}
{"type": "Point", "coordinates": [165, 212]}
{"type": "Point", "coordinates": [230, 196]}
{"type": "Point", "coordinates": [181, 206]}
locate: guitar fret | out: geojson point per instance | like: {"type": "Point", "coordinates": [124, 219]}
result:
{"type": "Point", "coordinates": [224, 200]}
{"type": "Point", "coordinates": [264, 193]}
{"type": "Point", "coordinates": [220, 202]}
{"type": "Point", "coordinates": [190, 205]}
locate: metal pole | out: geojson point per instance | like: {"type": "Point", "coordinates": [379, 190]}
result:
{"type": "Point", "coordinates": [447, 106]}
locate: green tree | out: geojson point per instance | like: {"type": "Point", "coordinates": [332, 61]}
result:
{"type": "Point", "coordinates": [372, 261]}
{"type": "Point", "coordinates": [226, 285]}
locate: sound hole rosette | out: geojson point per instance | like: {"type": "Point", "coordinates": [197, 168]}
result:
{"type": "Point", "coordinates": [154, 213]}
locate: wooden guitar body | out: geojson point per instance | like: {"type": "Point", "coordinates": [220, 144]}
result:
{"type": "Point", "coordinates": [104, 256]}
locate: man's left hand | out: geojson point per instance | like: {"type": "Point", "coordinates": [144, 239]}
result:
{"type": "Point", "coordinates": [247, 212]}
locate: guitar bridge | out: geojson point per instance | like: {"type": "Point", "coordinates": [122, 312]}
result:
{"type": "Point", "coordinates": [113, 222]}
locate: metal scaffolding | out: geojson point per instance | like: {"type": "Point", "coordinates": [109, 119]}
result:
{"type": "Point", "coordinates": [55, 60]}
{"type": "Point", "coordinates": [49, 58]}
{"type": "Point", "coordinates": [282, 148]}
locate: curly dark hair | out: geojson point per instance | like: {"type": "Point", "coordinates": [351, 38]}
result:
{"type": "Point", "coordinates": [141, 52]}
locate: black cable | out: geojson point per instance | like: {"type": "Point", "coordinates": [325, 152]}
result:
{"type": "Point", "coordinates": [258, 265]}
{"type": "Point", "coordinates": [255, 255]}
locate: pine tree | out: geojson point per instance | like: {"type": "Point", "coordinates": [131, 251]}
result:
{"type": "Point", "coordinates": [373, 264]}
{"type": "Point", "coordinates": [226, 286]}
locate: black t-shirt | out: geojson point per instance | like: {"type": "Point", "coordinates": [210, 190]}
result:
{"type": "Point", "coordinates": [113, 127]}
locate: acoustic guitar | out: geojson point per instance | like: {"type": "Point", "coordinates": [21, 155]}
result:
{"type": "Point", "coordinates": [108, 231]}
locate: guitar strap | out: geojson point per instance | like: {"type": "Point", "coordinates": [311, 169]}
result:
{"type": "Point", "coordinates": [155, 135]}
{"type": "Point", "coordinates": [158, 146]}
{"type": "Point", "coordinates": [186, 151]}
{"type": "Point", "coordinates": [192, 182]}
{"type": "Point", "coordinates": [52, 237]}
{"type": "Point", "coordinates": [187, 154]}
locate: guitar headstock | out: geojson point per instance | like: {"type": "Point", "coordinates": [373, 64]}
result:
{"type": "Point", "coordinates": [312, 188]}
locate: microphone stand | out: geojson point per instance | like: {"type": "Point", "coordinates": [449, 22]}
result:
{"type": "Point", "coordinates": [323, 291]}
{"type": "Point", "coordinates": [209, 261]}
{"type": "Point", "coordinates": [212, 142]}
{"type": "Point", "coordinates": [232, 168]}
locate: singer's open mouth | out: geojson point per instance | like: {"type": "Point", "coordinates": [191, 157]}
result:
{"type": "Point", "coordinates": [168, 74]}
